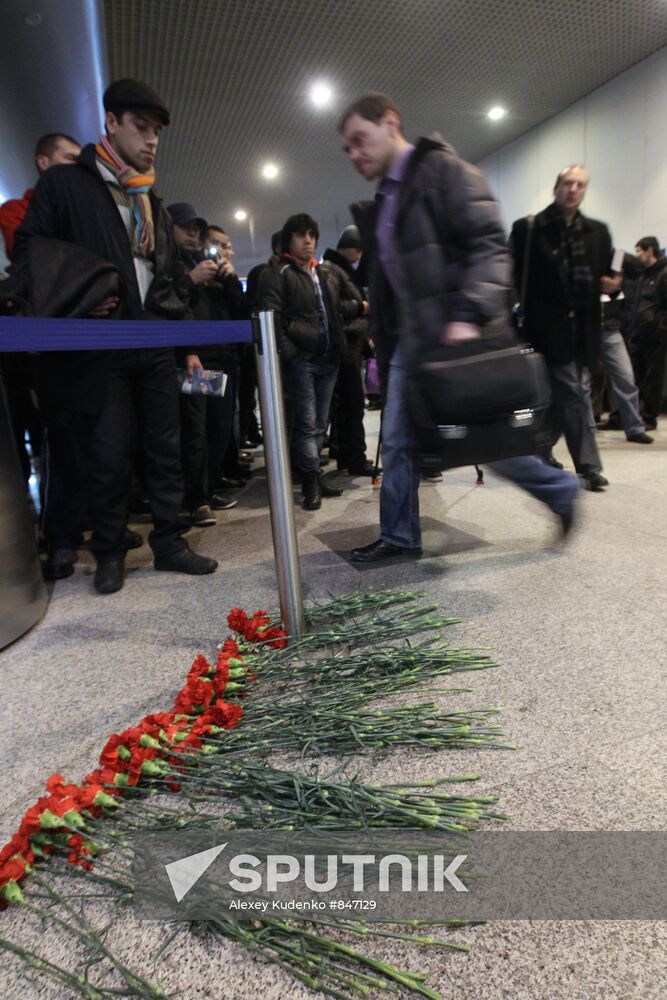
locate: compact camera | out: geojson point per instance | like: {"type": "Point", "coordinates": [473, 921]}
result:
{"type": "Point", "coordinates": [212, 253]}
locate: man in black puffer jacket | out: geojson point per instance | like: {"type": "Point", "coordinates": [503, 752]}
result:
{"type": "Point", "coordinates": [439, 273]}
{"type": "Point", "coordinates": [313, 303]}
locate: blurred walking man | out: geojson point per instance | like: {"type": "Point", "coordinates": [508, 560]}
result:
{"type": "Point", "coordinates": [439, 272]}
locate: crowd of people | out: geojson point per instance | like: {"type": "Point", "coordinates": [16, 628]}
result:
{"type": "Point", "coordinates": [425, 263]}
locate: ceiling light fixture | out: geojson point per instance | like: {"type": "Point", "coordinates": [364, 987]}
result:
{"type": "Point", "coordinates": [240, 216]}
{"type": "Point", "coordinates": [270, 170]}
{"type": "Point", "coordinates": [321, 95]}
{"type": "Point", "coordinates": [495, 114]}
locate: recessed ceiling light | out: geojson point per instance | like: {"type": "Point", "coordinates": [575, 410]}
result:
{"type": "Point", "coordinates": [240, 216]}
{"type": "Point", "coordinates": [495, 114]}
{"type": "Point", "coordinates": [270, 170]}
{"type": "Point", "coordinates": [321, 95]}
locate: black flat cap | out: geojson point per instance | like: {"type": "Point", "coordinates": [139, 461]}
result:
{"type": "Point", "coordinates": [182, 213]}
{"type": "Point", "coordinates": [350, 239]}
{"type": "Point", "coordinates": [134, 95]}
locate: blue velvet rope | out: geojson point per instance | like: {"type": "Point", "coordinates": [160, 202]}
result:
{"type": "Point", "coordinates": [33, 333]}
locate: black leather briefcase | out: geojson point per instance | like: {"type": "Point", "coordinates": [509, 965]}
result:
{"type": "Point", "coordinates": [475, 406]}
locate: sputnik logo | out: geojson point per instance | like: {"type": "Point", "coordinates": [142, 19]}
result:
{"type": "Point", "coordinates": [185, 872]}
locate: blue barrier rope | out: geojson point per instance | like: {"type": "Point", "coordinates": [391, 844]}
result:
{"type": "Point", "coordinates": [34, 333]}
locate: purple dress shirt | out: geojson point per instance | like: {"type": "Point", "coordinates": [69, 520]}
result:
{"type": "Point", "coordinates": [388, 194]}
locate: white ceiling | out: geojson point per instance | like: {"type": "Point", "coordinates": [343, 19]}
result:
{"type": "Point", "coordinates": [235, 74]}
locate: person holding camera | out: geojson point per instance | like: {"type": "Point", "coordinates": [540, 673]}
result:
{"type": "Point", "coordinates": [206, 421]}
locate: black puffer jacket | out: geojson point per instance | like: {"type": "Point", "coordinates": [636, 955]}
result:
{"type": "Point", "coordinates": [289, 289]}
{"type": "Point", "coordinates": [452, 246]}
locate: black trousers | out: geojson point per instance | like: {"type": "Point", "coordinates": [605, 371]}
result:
{"type": "Point", "coordinates": [206, 430]}
{"type": "Point", "coordinates": [18, 371]}
{"type": "Point", "coordinates": [248, 426]}
{"type": "Point", "coordinates": [65, 479]}
{"type": "Point", "coordinates": [144, 378]}
{"type": "Point", "coordinates": [348, 418]}
{"type": "Point", "coordinates": [647, 353]}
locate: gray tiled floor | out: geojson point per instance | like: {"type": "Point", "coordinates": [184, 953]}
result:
{"type": "Point", "coordinates": [579, 634]}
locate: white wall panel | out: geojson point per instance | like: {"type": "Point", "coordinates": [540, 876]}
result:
{"type": "Point", "coordinates": [620, 132]}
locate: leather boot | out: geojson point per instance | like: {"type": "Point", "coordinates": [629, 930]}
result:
{"type": "Point", "coordinates": [312, 491]}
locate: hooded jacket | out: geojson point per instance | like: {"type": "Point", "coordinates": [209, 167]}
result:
{"type": "Point", "coordinates": [357, 329]}
{"type": "Point", "coordinates": [453, 251]}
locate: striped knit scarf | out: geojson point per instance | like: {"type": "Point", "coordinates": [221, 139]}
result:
{"type": "Point", "coordinates": [136, 187]}
{"type": "Point", "coordinates": [576, 272]}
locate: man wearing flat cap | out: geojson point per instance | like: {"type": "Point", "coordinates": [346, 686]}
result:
{"type": "Point", "coordinates": [105, 203]}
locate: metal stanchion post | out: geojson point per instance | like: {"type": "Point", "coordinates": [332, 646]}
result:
{"type": "Point", "coordinates": [276, 454]}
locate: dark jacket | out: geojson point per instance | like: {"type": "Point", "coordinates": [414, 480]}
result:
{"type": "Point", "coordinates": [645, 312]}
{"type": "Point", "coordinates": [254, 276]}
{"type": "Point", "coordinates": [289, 289]}
{"type": "Point", "coordinates": [61, 280]}
{"type": "Point", "coordinates": [452, 246]}
{"type": "Point", "coordinates": [72, 203]}
{"type": "Point", "coordinates": [356, 330]}
{"type": "Point", "coordinates": [548, 325]}
{"type": "Point", "coordinates": [219, 299]}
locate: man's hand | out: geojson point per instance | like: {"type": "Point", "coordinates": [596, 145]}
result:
{"type": "Point", "coordinates": [459, 333]}
{"type": "Point", "coordinates": [204, 271]}
{"type": "Point", "coordinates": [105, 307]}
{"type": "Point", "coordinates": [609, 285]}
{"type": "Point", "coordinates": [191, 363]}
{"type": "Point", "coordinates": [366, 308]}
{"type": "Point", "coordinates": [225, 268]}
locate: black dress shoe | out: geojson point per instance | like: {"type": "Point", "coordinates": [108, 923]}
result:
{"type": "Point", "coordinates": [185, 561]}
{"type": "Point", "coordinates": [377, 551]}
{"type": "Point", "coordinates": [132, 539]}
{"type": "Point", "coordinates": [551, 460]}
{"type": "Point", "coordinates": [593, 482]}
{"type": "Point", "coordinates": [640, 438]}
{"type": "Point", "coordinates": [110, 575]}
{"type": "Point", "coordinates": [364, 469]}
{"type": "Point", "coordinates": [60, 564]}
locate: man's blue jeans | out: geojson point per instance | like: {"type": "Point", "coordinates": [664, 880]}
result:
{"type": "Point", "coordinates": [399, 494]}
{"type": "Point", "coordinates": [310, 387]}
{"type": "Point", "coordinates": [615, 358]}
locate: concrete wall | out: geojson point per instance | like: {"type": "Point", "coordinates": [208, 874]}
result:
{"type": "Point", "coordinates": [620, 132]}
{"type": "Point", "coordinates": [52, 76]}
